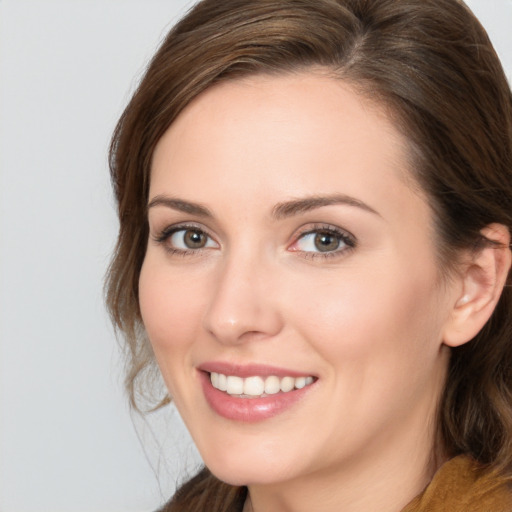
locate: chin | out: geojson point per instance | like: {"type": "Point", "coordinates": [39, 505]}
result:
{"type": "Point", "coordinates": [248, 467]}
{"type": "Point", "coordinates": [246, 475]}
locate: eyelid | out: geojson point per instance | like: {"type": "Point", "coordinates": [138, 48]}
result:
{"type": "Point", "coordinates": [346, 237]}
{"type": "Point", "coordinates": [159, 235]}
{"type": "Point", "coordinates": [163, 235]}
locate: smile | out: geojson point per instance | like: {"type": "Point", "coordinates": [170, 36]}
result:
{"type": "Point", "coordinates": [254, 392]}
{"type": "Point", "coordinates": [256, 386]}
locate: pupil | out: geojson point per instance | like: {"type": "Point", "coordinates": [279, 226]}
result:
{"type": "Point", "coordinates": [194, 239]}
{"type": "Point", "coordinates": [325, 242]}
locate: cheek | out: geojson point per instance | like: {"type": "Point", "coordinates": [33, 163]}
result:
{"type": "Point", "coordinates": [171, 313]}
{"type": "Point", "coordinates": [379, 320]}
{"type": "Point", "coordinates": [378, 338]}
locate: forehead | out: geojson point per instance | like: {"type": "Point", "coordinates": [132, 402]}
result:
{"type": "Point", "coordinates": [284, 137]}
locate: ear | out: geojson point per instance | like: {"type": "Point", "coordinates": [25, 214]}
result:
{"type": "Point", "coordinates": [483, 277]}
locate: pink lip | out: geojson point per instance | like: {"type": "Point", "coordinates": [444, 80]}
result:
{"type": "Point", "coordinates": [249, 410]}
{"type": "Point", "coordinates": [248, 370]}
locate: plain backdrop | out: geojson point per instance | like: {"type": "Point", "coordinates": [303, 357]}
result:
{"type": "Point", "coordinates": [67, 441]}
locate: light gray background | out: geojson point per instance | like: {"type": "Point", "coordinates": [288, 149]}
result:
{"type": "Point", "coordinates": [67, 443]}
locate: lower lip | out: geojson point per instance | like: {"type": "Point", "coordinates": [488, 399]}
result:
{"type": "Point", "coordinates": [249, 410]}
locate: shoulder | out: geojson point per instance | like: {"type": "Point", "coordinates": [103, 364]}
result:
{"type": "Point", "coordinates": [461, 485]}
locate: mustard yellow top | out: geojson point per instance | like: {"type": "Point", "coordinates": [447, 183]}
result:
{"type": "Point", "coordinates": [459, 486]}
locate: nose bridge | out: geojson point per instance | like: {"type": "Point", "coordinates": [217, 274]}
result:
{"type": "Point", "coordinates": [241, 302]}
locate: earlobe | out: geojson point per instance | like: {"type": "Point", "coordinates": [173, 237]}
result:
{"type": "Point", "coordinates": [483, 278]}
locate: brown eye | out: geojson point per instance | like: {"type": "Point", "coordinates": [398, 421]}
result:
{"type": "Point", "coordinates": [325, 241]}
{"type": "Point", "coordinates": [187, 239]}
{"type": "Point", "coordinates": [194, 239]}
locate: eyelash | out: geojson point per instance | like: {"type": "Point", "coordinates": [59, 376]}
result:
{"type": "Point", "coordinates": [163, 236]}
{"type": "Point", "coordinates": [343, 236]}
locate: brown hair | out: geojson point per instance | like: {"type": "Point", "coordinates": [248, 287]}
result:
{"type": "Point", "coordinates": [432, 66]}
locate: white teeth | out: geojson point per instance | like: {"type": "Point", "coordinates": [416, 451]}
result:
{"type": "Point", "coordinates": [300, 382]}
{"type": "Point", "coordinates": [223, 384]}
{"type": "Point", "coordinates": [257, 386]}
{"type": "Point", "coordinates": [254, 386]}
{"type": "Point", "coordinates": [287, 384]}
{"type": "Point", "coordinates": [272, 385]}
{"type": "Point", "coordinates": [234, 385]}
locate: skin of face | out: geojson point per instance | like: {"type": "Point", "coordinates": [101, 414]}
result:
{"type": "Point", "coordinates": [365, 320]}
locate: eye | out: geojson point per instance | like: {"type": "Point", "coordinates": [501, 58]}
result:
{"type": "Point", "coordinates": [323, 241]}
{"type": "Point", "coordinates": [184, 239]}
{"type": "Point", "coordinates": [319, 242]}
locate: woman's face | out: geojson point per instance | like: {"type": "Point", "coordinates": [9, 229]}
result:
{"type": "Point", "coordinates": [288, 249]}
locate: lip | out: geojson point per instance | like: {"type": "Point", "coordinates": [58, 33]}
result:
{"type": "Point", "coordinates": [249, 410]}
{"type": "Point", "coordinates": [249, 370]}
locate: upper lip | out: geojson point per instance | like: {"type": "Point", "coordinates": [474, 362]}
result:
{"type": "Point", "coordinates": [249, 370]}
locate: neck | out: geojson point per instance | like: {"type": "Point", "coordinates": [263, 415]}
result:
{"type": "Point", "coordinates": [386, 481]}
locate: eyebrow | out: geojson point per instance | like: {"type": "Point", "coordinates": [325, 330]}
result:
{"type": "Point", "coordinates": [298, 206]}
{"type": "Point", "coordinates": [280, 211]}
{"type": "Point", "coordinates": [180, 205]}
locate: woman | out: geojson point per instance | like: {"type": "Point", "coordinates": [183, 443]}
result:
{"type": "Point", "coordinates": [315, 205]}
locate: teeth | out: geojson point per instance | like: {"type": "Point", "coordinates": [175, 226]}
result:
{"type": "Point", "coordinates": [257, 386]}
{"type": "Point", "coordinates": [272, 385]}
{"type": "Point", "coordinates": [300, 382]}
{"type": "Point", "coordinates": [254, 386]}
{"type": "Point", "coordinates": [223, 384]}
{"type": "Point", "coordinates": [287, 384]}
{"type": "Point", "coordinates": [234, 385]}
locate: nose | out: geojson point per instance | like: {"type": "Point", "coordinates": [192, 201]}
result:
{"type": "Point", "coordinates": [243, 304]}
